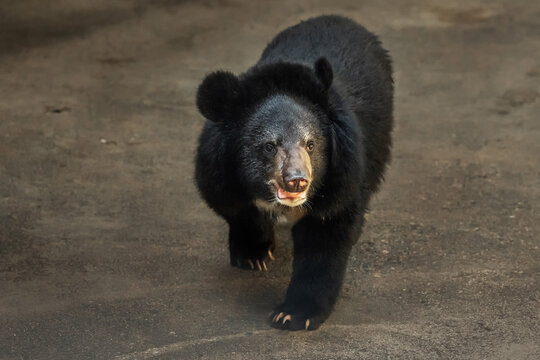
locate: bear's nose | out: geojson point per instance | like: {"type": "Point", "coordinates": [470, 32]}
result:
{"type": "Point", "coordinates": [295, 184]}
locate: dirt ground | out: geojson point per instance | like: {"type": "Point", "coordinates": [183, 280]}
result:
{"type": "Point", "coordinates": [107, 251]}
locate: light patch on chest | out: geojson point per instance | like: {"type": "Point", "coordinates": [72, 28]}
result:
{"type": "Point", "coordinates": [292, 215]}
{"type": "Point", "coordinates": [284, 215]}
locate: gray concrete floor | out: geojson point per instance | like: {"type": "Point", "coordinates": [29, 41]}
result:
{"type": "Point", "coordinates": [107, 251]}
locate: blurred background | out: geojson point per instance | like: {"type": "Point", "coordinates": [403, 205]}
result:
{"type": "Point", "coordinates": [107, 251]}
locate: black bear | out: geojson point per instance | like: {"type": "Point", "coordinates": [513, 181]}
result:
{"type": "Point", "coordinates": [304, 134]}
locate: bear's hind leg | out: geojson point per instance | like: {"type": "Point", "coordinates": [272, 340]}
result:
{"type": "Point", "coordinates": [251, 239]}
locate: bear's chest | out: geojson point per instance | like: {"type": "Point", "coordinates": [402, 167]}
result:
{"type": "Point", "coordinates": [282, 214]}
{"type": "Point", "coordinates": [291, 215]}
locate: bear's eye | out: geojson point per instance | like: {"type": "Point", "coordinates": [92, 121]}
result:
{"type": "Point", "coordinates": [269, 148]}
{"type": "Point", "coordinates": [310, 146]}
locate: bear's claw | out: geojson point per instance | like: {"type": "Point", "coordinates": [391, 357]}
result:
{"type": "Point", "coordinates": [290, 321]}
{"type": "Point", "coordinates": [260, 265]}
{"type": "Point", "coordinates": [257, 262]}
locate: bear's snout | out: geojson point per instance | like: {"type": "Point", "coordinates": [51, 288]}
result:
{"type": "Point", "coordinates": [296, 172]}
{"type": "Point", "coordinates": [295, 184]}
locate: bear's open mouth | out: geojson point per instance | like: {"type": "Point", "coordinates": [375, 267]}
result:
{"type": "Point", "coordinates": [285, 197]}
{"type": "Point", "coordinates": [282, 194]}
{"type": "Point", "coordinates": [291, 198]}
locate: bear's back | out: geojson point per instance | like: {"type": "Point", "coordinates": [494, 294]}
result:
{"type": "Point", "coordinates": [352, 50]}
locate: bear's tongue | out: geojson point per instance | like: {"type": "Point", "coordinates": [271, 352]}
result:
{"type": "Point", "coordinates": [282, 194]}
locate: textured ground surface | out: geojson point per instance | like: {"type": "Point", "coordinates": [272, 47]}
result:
{"type": "Point", "coordinates": [106, 250]}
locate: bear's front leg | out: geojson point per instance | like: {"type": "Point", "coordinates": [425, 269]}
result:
{"type": "Point", "coordinates": [321, 250]}
{"type": "Point", "coordinates": [251, 239]}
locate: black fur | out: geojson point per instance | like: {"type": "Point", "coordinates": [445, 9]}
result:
{"type": "Point", "coordinates": [329, 78]}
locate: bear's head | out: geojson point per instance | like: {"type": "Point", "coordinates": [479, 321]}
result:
{"type": "Point", "coordinates": [277, 122]}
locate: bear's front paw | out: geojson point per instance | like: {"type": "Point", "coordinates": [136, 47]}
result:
{"type": "Point", "coordinates": [288, 319]}
{"type": "Point", "coordinates": [257, 261]}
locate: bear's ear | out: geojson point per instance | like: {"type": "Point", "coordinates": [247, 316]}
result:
{"type": "Point", "coordinates": [324, 72]}
{"type": "Point", "coordinates": [219, 96]}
